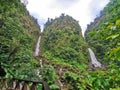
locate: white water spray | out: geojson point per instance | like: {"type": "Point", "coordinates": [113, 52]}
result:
{"type": "Point", "coordinates": [94, 61]}
{"type": "Point", "coordinates": [36, 53]}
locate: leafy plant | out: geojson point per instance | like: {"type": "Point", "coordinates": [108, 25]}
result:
{"type": "Point", "coordinates": [48, 74]}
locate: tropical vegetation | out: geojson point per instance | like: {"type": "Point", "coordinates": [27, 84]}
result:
{"type": "Point", "coordinates": [64, 52]}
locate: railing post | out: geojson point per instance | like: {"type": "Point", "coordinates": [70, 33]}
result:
{"type": "Point", "coordinates": [3, 83]}
{"type": "Point", "coordinates": [45, 86]}
{"type": "Point", "coordinates": [18, 85]}
{"type": "Point", "coordinates": [26, 86]}
{"type": "Point", "coordinates": [12, 84]}
{"type": "Point", "coordinates": [33, 87]}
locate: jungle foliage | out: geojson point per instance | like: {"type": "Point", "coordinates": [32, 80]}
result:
{"type": "Point", "coordinates": [18, 33]}
{"type": "Point", "coordinates": [62, 43]}
{"type": "Point", "coordinates": [62, 40]}
{"type": "Point", "coordinates": [63, 50]}
{"type": "Point", "coordinates": [103, 35]}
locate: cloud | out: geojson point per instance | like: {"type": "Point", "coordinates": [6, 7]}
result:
{"type": "Point", "coordinates": [40, 20]}
{"type": "Point", "coordinates": [63, 3]}
{"type": "Point", "coordinates": [96, 6]}
{"type": "Point", "coordinates": [83, 11]}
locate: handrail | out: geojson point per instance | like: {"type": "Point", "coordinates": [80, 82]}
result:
{"type": "Point", "coordinates": [22, 84]}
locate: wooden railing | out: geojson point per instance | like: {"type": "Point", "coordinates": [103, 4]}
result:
{"type": "Point", "coordinates": [22, 84]}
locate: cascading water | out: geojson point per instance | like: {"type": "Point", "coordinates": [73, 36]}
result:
{"type": "Point", "coordinates": [94, 61]}
{"type": "Point", "coordinates": [36, 53]}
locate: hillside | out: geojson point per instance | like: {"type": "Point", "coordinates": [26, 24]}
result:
{"type": "Point", "coordinates": [62, 44]}
{"type": "Point", "coordinates": [103, 35]}
{"type": "Point", "coordinates": [62, 39]}
{"type": "Point", "coordinates": [18, 35]}
{"type": "Point", "coordinates": [63, 61]}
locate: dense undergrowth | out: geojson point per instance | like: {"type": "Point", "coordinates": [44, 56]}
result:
{"type": "Point", "coordinates": [62, 40]}
{"type": "Point", "coordinates": [62, 43]}
{"type": "Point", "coordinates": [103, 35]}
{"type": "Point", "coordinates": [18, 35]}
{"type": "Point", "coordinates": [63, 49]}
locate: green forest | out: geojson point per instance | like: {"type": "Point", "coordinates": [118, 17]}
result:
{"type": "Point", "coordinates": [64, 61]}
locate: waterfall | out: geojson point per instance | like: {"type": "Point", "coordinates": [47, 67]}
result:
{"type": "Point", "coordinates": [94, 61]}
{"type": "Point", "coordinates": [36, 53]}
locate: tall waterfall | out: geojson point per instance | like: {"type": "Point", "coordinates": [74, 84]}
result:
{"type": "Point", "coordinates": [36, 53]}
{"type": "Point", "coordinates": [94, 61]}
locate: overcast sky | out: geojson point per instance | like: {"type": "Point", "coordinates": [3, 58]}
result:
{"type": "Point", "coordinates": [83, 11]}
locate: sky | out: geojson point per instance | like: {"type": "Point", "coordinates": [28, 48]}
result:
{"type": "Point", "coordinates": [83, 11]}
